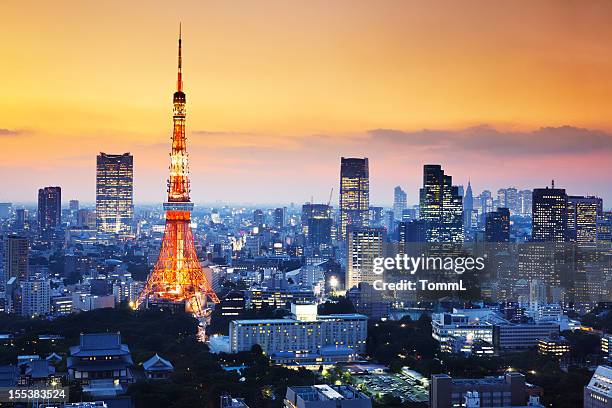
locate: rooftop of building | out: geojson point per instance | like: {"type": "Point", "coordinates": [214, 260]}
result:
{"type": "Point", "coordinates": [156, 363]}
{"type": "Point", "coordinates": [601, 382]}
{"type": "Point", "coordinates": [325, 392]}
{"type": "Point", "coordinates": [100, 344]}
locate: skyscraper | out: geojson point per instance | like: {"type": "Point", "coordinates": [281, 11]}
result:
{"type": "Point", "coordinates": [364, 244]}
{"type": "Point", "coordinates": [317, 224]}
{"type": "Point", "coordinates": [524, 202]}
{"type": "Point", "coordinates": [279, 217]}
{"type": "Point", "coordinates": [16, 250]}
{"type": "Point", "coordinates": [49, 209]}
{"type": "Point", "coordinates": [74, 206]}
{"type": "Point", "coordinates": [354, 194]}
{"type": "Point", "coordinates": [114, 193]}
{"type": "Point", "coordinates": [508, 198]}
{"type": "Point", "coordinates": [399, 202]}
{"type": "Point", "coordinates": [582, 214]}
{"type": "Point", "coordinates": [549, 215]}
{"type": "Point", "coordinates": [441, 206]}
{"type": "Point", "coordinates": [468, 207]}
{"type": "Point", "coordinates": [311, 210]}
{"type": "Point", "coordinates": [497, 226]}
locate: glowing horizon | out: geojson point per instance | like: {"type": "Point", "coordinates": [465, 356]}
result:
{"type": "Point", "coordinates": [513, 95]}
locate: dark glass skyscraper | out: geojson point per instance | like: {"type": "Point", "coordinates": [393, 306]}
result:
{"type": "Point", "coordinates": [441, 206]}
{"type": "Point", "coordinates": [317, 225]}
{"type": "Point", "coordinates": [279, 217]}
{"type": "Point", "coordinates": [549, 212]}
{"type": "Point", "coordinates": [115, 193]}
{"type": "Point", "coordinates": [15, 258]}
{"type": "Point", "coordinates": [354, 194]}
{"type": "Point", "coordinates": [49, 209]}
{"type": "Point", "coordinates": [497, 226]}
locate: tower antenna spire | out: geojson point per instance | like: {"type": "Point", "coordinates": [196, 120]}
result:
{"type": "Point", "coordinates": [179, 81]}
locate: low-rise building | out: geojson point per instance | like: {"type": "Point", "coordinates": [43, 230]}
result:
{"type": "Point", "coordinates": [510, 390]}
{"type": "Point", "coordinates": [520, 336]}
{"type": "Point", "coordinates": [556, 346]}
{"type": "Point", "coordinates": [157, 368]}
{"type": "Point", "coordinates": [446, 326]}
{"type": "Point", "coordinates": [101, 364]}
{"type": "Point", "coordinates": [325, 396]}
{"type": "Point", "coordinates": [598, 392]}
{"type": "Point", "coordinates": [304, 338]}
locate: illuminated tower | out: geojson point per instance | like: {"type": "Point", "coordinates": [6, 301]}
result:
{"type": "Point", "coordinates": [354, 194]}
{"type": "Point", "coordinates": [178, 275]}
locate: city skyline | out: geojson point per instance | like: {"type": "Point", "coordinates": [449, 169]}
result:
{"type": "Point", "coordinates": [519, 102]}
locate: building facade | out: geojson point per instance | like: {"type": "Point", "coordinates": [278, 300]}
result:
{"type": "Point", "coordinates": [114, 193]}
{"type": "Point", "coordinates": [49, 209]}
{"type": "Point", "coordinates": [354, 194]}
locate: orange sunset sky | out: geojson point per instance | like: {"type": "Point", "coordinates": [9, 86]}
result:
{"type": "Point", "coordinates": [511, 93]}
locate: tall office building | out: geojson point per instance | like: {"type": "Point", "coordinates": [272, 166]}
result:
{"type": "Point", "coordinates": [115, 193]}
{"type": "Point", "coordinates": [549, 215]}
{"type": "Point", "coordinates": [259, 218]}
{"type": "Point", "coordinates": [74, 206]}
{"type": "Point", "coordinates": [524, 202]}
{"type": "Point", "coordinates": [354, 194]}
{"type": "Point", "coordinates": [15, 256]}
{"type": "Point", "coordinates": [279, 217]}
{"type": "Point", "coordinates": [364, 244]}
{"type": "Point", "coordinates": [399, 202]}
{"type": "Point", "coordinates": [497, 226]}
{"type": "Point", "coordinates": [49, 209]}
{"type": "Point", "coordinates": [468, 207]}
{"type": "Point", "coordinates": [5, 210]}
{"type": "Point", "coordinates": [508, 198]}
{"type": "Point", "coordinates": [582, 214]}
{"type": "Point", "coordinates": [441, 206]}
{"type": "Point", "coordinates": [21, 219]}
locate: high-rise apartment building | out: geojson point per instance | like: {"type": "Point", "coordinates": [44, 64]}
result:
{"type": "Point", "coordinates": [354, 194]}
{"type": "Point", "coordinates": [115, 193]}
{"type": "Point", "coordinates": [364, 244]}
{"type": "Point", "coordinates": [441, 206]}
{"type": "Point", "coordinates": [15, 256]}
{"type": "Point", "coordinates": [35, 297]}
{"type": "Point", "coordinates": [49, 209]}
{"type": "Point", "coordinates": [399, 202]}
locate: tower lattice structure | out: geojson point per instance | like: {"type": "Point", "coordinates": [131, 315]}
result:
{"type": "Point", "coordinates": [178, 275]}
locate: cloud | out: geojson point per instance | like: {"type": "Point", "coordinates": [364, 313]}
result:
{"type": "Point", "coordinates": [566, 140]}
{"type": "Point", "coordinates": [9, 132]}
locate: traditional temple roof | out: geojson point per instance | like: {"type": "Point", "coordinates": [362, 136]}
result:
{"type": "Point", "coordinates": [156, 363]}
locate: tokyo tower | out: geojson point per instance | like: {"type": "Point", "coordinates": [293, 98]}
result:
{"type": "Point", "coordinates": [177, 275]}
